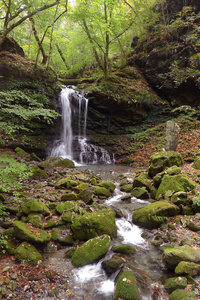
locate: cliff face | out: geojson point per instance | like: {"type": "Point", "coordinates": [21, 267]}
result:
{"type": "Point", "coordinates": [169, 57]}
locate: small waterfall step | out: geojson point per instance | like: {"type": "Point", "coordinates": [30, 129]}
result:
{"type": "Point", "coordinates": [73, 142]}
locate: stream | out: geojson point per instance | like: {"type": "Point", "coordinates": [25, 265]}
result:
{"type": "Point", "coordinates": [91, 282]}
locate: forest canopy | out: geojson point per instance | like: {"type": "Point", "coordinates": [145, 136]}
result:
{"type": "Point", "coordinates": [76, 35]}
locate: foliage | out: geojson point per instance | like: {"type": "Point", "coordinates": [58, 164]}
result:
{"type": "Point", "coordinates": [19, 109]}
{"type": "Point", "coordinates": [11, 172]}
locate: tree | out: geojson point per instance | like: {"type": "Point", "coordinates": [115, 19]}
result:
{"type": "Point", "coordinates": [14, 13]}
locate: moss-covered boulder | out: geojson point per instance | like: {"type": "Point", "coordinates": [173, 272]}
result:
{"type": "Point", "coordinates": [140, 193]}
{"type": "Point", "coordinates": [127, 188]}
{"type": "Point", "coordinates": [93, 224]}
{"type": "Point", "coordinates": [64, 207]}
{"type": "Point", "coordinates": [91, 251]}
{"type": "Point", "coordinates": [34, 206]}
{"type": "Point", "coordinates": [38, 174]}
{"type": "Point", "coordinates": [66, 183]}
{"type": "Point", "coordinates": [102, 192]}
{"type": "Point", "coordinates": [126, 287]}
{"type": "Point", "coordinates": [182, 295]}
{"type": "Point", "coordinates": [162, 160]}
{"type": "Point", "coordinates": [142, 181]}
{"type": "Point", "coordinates": [188, 268]}
{"type": "Point", "coordinates": [179, 198]}
{"type": "Point", "coordinates": [62, 236]}
{"type": "Point", "coordinates": [175, 283]}
{"type": "Point", "coordinates": [30, 234]}
{"type": "Point", "coordinates": [26, 252]}
{"type": "Point", "coordinates": [113, 264]}
{"type": "Point", "coordinates": [36, 220]}
{"type": "Point", "coordinates": [154, 214]}
{"type": "Point", "coordinates": [69, 197]}
{"type": "Point", "coordinates": [50, 163]}
{"type": "Point", "coordinates": [124, 249]}
{"type": "Point", "coordinates": [86, 195]}
{"type": "Point", "coordinates": [173, 256]}
{"type": "Point", "coordinates": [196, 163]}
{"type": "Point", "coordinates": [173, 184]}
{"type": "Point", "coordinates": [174, 170]}
{"type": "Point", "coordinates": [108, 185]}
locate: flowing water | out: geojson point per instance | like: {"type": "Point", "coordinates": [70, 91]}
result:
{"type": "Point", "coordinates": [73, 142]}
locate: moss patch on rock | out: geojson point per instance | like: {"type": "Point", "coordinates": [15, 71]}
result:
{"type": "Point", "coordinates": [28, 253]}
{"type": "Point", "coordinates": [91, 251]}
{"type": "Point", "coordinates": [34, 206]}
{"type": "Point", "coordinates": [126, 287]}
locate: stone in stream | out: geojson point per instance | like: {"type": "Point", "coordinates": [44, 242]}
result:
{"type": "Point", "coordinates": [91, 251]}
{"type": "Point", "coordinates": [172, 136]}
{"type": "Point", "coordinates": [189, 268]}
{"type": "Point", "coordinates": [175, 283]}
{"type": "Point", "coordinates": [182, 295]}
{"type": "Point", "coordinates": [124, 249]}
{"type": "Point", "coordinates": [113, 264]}
{"type": "Point", "coordinates": [27, 252]}
{"type": "Point", "coordinates": [126, 287]}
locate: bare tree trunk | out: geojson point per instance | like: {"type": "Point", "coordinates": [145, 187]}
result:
{"type": "Point", "coordinates": [61, 55]}
{"type": "Point", "coordinates": [44, 60]}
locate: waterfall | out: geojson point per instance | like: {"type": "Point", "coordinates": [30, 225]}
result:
{"type": "Point", "coordinates": [77, 147]}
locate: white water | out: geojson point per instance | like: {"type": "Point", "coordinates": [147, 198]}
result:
{"type": "Point", "coordinates": [74, 109]}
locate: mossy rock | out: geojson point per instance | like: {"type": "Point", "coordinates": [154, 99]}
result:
{"type": "Point", "coordinates": [29, 234]}
{"type": "Point", "coordinates": [155, 214]}
{"type": "Point", "coordinates": [174, 170]}
{"type": "Point", "coordinates": [37, 173]}
{"type": "Point", "coordinates": [140, 193]}
{"type": "Point", "coordinates": [62, 237]}
{"type": "Point", "coordinates": [21, 152]}
{"type": "Point", "coordinates": [66, 183]}
{"type": "Point", "coordinates": [182, 295]}
{"type": "Point", "coordinates": [34, 206]}
{"type": "Point", "coordinates": [188, 268]}
{"type": "Point", "coordinates": [113, 264]}
{"type": "Point", "coordinates": [36, 219]}
{"type": "Point", "coordinates": [108, 185]}
{"type": "Point", "coordinates": [173, 184]}
{"type": "Point", "coordinates": [142, 181]}
{"type": "Point", "coordinates": [27, 252]}
{"type": "Point", "coordinates": [92, 250]}
{"type": "Point", "coordinates": [179, 198]}
{"type": "Point", "coordinates": [124, 249]}
{"type": "Point", "coordinates": [173, 256]}
{"type": "Point", "coordinates": [102, 192]}
{"type": "Point", "coordinates": [127, 188]}
{"type": "Point", "coordinates": [65, 206]}
{"type": "Point", "coordinates": [69, 197]}
{"type": "Point", "coordinates": [93, 224]}
{"type": "Point", "coordinates": [162, 160]}
{"type": "Point", "coordinates": [126, 287]}
{"type": "Point", "coordinates": [86, 195]}
{"type": "Point", "coordinates": [50, 163]}
{"type": "Point", "coordinates": [50, 223]}
{"type": "Point", "coordinates": [196, 163]}
{"type": "Point", "coordinates": [67, 217]}
{"type": "Point", "coordinates": [175, 283]}
{"type": "Point", "coordinates": [193, 226]}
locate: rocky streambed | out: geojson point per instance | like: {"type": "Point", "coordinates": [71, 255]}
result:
{"type": "Point", "coordinates": [73, 233]}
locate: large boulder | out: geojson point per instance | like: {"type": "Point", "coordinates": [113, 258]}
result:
{"type": "Point", "coordinates": [163, 160]}
{"type": "Point", "coordinates": [34, 206]}
{"type": "Point", "coordinates": [27, 252]}
{"type": "Point", "coordinates": [50, 163]}
{"type": "Point", "coordinates": [26, 232]}
{"type": "Point", "coordinates": [91, 251]}
{"type": "Point", "coordinates": [93, 224]}
{"type": "Point", "coordinates": [175, 283]}
{"type": "Point", "coordinates": [142, 181]}
{"type": "Point", "coordinates": [173, 184]}
{"type": "Point", "coordinates": [188, 268]}
{"type": "Point", "coordinates": [108, 185]}
{"type": "Point", "coordinates": [126, 287]}
{"type": "Point", "coordinates": [173, 256]}
{"type": "Point", "coordinates": [182, 295]}
{"type": "Point", "coordinates": [155, 214]}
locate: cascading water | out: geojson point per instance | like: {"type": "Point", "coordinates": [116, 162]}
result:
{"type": "Point", "coordinates": [74, 107]}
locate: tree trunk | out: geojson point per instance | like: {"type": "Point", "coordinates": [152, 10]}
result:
{"type": "Point", "coordinates": [61, 55]}
{"type": "Point", "coordinates": [44, 60]}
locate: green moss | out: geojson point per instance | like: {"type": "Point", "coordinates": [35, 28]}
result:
{"type": "Point", "coordinates": [142, 181]}
{"type": "Point", "coordinates": [140, 193]}
{"type": "Point", "coordinates": [126, 287]}
{"type": "Point", "coordinates": [34, 206]}
{"type": "Point", "coordinates": [108, 185]}
{"type": "Point", "coordinates": [125, 249]}
{"type": "Point", "coordinates": [68, 205]}
{"type": "Point", "coordinates": [127, 188]}
{"type": "Point", "coordinates": [36, 220]}
{"type": "Point", "coordinates": [188, 268]}
{"type": "Point", "coordinates": [102, 192]}
{"type": "Point", "coordinates": [175, 283]}
{"type": "Point", "coordinates": [37, 173]}
{"type": "Point", "coordinates": [90, 251]}
{"type": "Point", "coordinates": [93, 224]}
{"type": "Point", "coordinates": [196, 163]}
{"type": "Point", "coordinates": [182, 295]}
{"type": "Point", "coordinates": [69, 197]}
{"type": "Point", "coordinates": [27, 252]}
{"type": "Point", "coordinates": [154, 214]}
